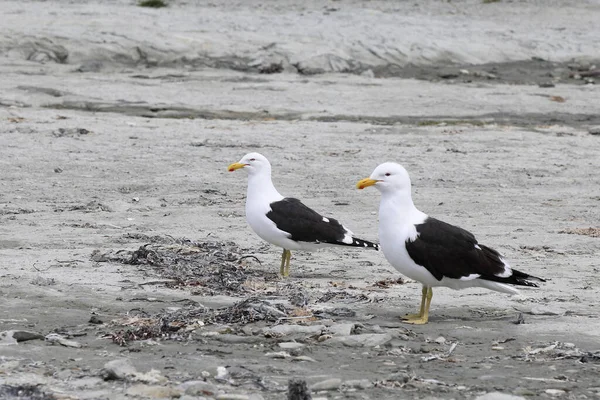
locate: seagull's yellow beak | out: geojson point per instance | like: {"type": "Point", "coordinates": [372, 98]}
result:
{"type": "Point", "coordinates": [363, 183]}
{"type": "Point", "coordinates": [234, 166]}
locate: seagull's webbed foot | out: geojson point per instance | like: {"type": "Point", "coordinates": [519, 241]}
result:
{"type": "Point", "coordinates": [417, 321]}
{"type": "Point", "coordinates": [410, 317]}
{"type": "Point", "coordinates": [423, 316]}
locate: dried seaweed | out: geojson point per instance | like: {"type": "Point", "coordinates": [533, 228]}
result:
{"type": "Point", "coordinates": [23, 392]}
{"type": "Point", "coordinates": [593, 232]}
{"type": "Point", "coordinates": [561, 351]}
{"type": "Point", "coordinates": [343, 295]}
{"type": "Point", "coordinates": [211, 266]}
{"type": "Point", "coordinates": [177, 325]}
{"type": "Point", "coordinates": [250, 310]}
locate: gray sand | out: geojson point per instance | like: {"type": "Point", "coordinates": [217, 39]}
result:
{"type": "Point", "coordinates": [115, 132]}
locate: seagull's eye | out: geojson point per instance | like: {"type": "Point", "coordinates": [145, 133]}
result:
{"type": "Point", "coordinates": [253, 159]}
{"type": "Point", "coordinates": [387, 174]}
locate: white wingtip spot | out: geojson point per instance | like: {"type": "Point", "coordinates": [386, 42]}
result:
{"type": "Point", "coordinates": [348, 239]}
{"type": "Point", "coordinates": [477, 247]}
{"type": "Point", "coordinates": [507, 270]}
{"type": "Point", "coordinates": [325, 219]}
{"type": "Point", "coordinates": [470, 277]}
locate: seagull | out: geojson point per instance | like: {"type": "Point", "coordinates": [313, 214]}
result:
{"type": "Point", "coordinates": [285, 221]}
{"type": "Point", "coordinates": [431, 251]}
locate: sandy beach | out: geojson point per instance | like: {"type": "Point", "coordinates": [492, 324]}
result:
{"type": "Point", "coordinates": [127, 268]}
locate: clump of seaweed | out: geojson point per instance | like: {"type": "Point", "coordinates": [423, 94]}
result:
{"type": "Point", "coordinates": [178, 324]}
{"type": "Point", "coordinates": [593, 232]}
{"type": "Point", "coordinates": [210, 267]}
{"type": "Point", "coordinates": [29, 392]}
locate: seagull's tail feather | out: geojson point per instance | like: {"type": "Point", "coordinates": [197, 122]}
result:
{"type": "Point", "coordinates": [517, 278]}
{"type": "Point", "coordinates": [361, 243]}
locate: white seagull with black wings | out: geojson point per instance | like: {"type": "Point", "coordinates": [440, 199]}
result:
{"type": "Point", "coordinates": [431, 251]}
{"type": "Point", "coordinates": [285, 221]}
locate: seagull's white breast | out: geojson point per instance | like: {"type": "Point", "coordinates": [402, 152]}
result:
{"type": "Point", "coordinates": [256, 215]}
{"type": "Point", "coordinates": [392, 239]}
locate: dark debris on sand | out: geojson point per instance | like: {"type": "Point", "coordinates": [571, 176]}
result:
{"type": "Point", "coordinates": [178, 324]}
{"type": "Point", "coordinates": [23, 392]}
{"type": "Point", "coordinates": [211, 266]}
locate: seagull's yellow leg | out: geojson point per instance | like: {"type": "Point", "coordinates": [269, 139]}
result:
{"type": "Point", "coordinates": [421, 310]}
{"type": "Point", "coordinates": [425, 317]}
{"type": "Point", "coordinates": [282, 268]}
{"type": "Point", "coordinates": [287, 264]}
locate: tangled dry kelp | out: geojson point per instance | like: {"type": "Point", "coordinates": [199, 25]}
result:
{"type": "Point", "coordinates": [24, 392]}
{"type": "Point", "coordinates": [210, 266]}
{"type": "Point", "coordinates": [178, 324]}
{"type": "Point", "coordinates": [593, 232]}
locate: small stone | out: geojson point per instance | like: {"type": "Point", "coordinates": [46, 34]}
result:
{"type": "Point", "coordinates": [368, 74]}
{"type": "Point", "coordinates": [247, 330]}
{"type": "Point", "coordinates": [448, 75]}
{"type": "Point", "coordinates": [152, 376]}
{"type": "Point", "coordinates": [58, 170]}
{"type": "Point", "coordinates": [440, 340]}
{"type": "Point", "coordinates": [555, 392]}
{"type": "Point", "coordinates": [56, 338]}
{"type": "Point", "coordinates": [293, 329]}
{"type": "Point", "coordinates": [304, 358]}
{"type": "Point", "coordinates": [546, 85]}
{"type": "Point", "coordinates": [222, 373]}
{"type": "Point", "coordinates": [24, 336]}
{"type": "Point", "coordinates": [95, 320]}
{"type": "Point", "coordinates": [464, 71]}
{"type": "Point", "coordinates": [198, 388]}
{"type": "Point", "coordinates": [498, 396]}
{"type": "Point", "coordinates": [153, 391]}
{"type": "Point", "coordinates": [363, 340]}
{"type": "Point", "coordinates": [119, 369]}
{"type": "Point", "coordinates": [290, 345]}
{"type": "Point", "coordinates": [279, 354]}
{"type": "Point", "coordinates": [232, 396]}
{"type": "Point", "coordinates": [400, 377]}
{"type": "Point", "coordinates": [328, 384]}
{"type": "Point", "coordinates": [341, 329]}
{"type": "Point", "coordinates": [323, 338]}
{"type": "Point", "coordinates": [545, 310]}
{"type": "Point", "coordinates": [594, 130]}
{"type": "Point", "coordinates": [358, 384]}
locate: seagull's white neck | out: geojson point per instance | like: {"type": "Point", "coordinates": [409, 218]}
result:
{"type": "Point", "coordinates": [397, 208]}
{"type": "Point", "coordinates": [261, 189]}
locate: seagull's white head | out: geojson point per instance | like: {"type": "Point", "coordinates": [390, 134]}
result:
{"type": "Point", "coordinates": [387, 177]}
{"type": "Point", "coordinates": [253, 163]}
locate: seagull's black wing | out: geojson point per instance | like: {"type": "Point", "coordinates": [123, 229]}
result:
{"type": "Point", "coordinates": [306, 225]}
{"type": "Point", "coordinates": [449, 251]}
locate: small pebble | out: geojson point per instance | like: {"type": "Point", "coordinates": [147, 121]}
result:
{"type": "Point", "coordinates": [555, 392]}
{"type": "Point", "coordinates": [440, 340]}
{"type": "Point", "coordinates": [328, 384]}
